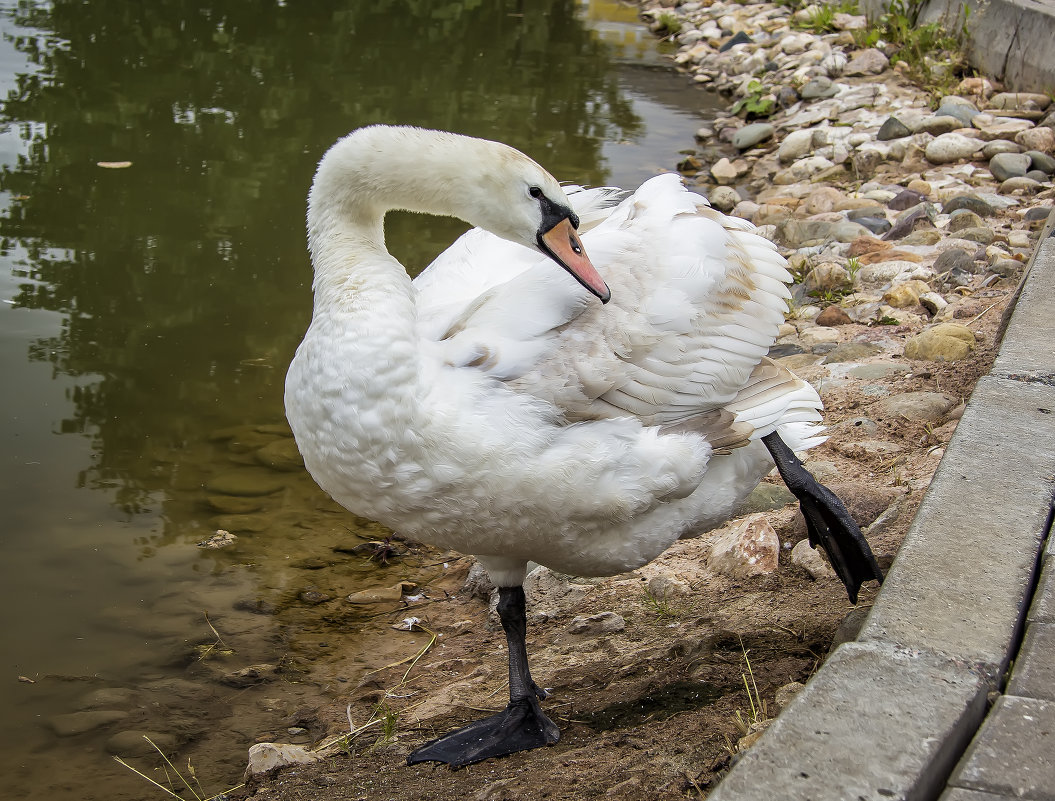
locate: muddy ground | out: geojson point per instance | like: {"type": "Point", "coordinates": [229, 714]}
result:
{"type": "Point", "coordinates": [657, 710]}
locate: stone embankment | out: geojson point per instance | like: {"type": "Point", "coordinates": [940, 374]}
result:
{"type": "Point", "coordinates": [893, 207]}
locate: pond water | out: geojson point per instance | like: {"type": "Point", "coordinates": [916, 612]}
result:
{"type": "Point", "coordinates": [149, 311]}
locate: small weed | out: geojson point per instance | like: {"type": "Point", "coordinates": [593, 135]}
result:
{"type": "Point", "coordinates": [934, 57]}
{"type": "Point", "coordinates": [822, 20]}
{"type": "Point", "coordinates": [757, 102]}
{"type": "Point", "coordinates": [670, 24]}
{"type": "Point", "coordinates": [853, 267]}
{"type": "Point", "coordinates": [659, 606]}
{"type": "Point", "coordinates": [759, 710]}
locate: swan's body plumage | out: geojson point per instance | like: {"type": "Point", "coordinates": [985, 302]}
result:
{"type": "Point", "coordinates": [493, 406]}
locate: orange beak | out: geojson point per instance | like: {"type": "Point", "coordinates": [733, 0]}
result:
{"type": "Point", "coordinates": [563, 245]}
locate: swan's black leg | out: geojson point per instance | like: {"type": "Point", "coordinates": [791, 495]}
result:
{"type": "Point", "coordinates": [521, 725]}
{"type": "Point", "coordinates": [827, 521]}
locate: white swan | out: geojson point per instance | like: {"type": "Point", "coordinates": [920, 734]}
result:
{"type": "Point", "coordinates": [494, 406]}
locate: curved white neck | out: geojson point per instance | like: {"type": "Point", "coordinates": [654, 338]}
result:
{"type": "Point", "coordinates": [374, 170]}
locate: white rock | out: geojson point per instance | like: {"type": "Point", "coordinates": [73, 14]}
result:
{"type": "Point", "coordinates": [795, 146]}
{"type": "Point", "coordinates": [268, 756]}
{"type": "Point", "coordinates": [805, 556]}
{"type": "Point", "coordinates": [951, 147]}
{"type": "Point", "coordinates": [750, 549]}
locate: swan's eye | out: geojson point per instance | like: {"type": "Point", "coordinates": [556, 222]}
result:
{"type": "Point", "coordinates": [535, 192]}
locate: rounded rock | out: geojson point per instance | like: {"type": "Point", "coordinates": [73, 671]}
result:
{"type": "Point", "coordinates": [1009, 165]}
{"type": "Point", "coordinates": [950, 147]}
{"type": "Point", "coordinates": [751, 135]}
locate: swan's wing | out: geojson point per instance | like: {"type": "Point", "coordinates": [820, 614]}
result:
{"type": "Point", "coordinates": [697, 301]}
{"type": "Point", "coordinates": [494, 305]}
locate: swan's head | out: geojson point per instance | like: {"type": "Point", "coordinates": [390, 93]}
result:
{"type": "Point", "coordinates": [487, 184]}
{"type": "Point", "coordinates": [523, 203]}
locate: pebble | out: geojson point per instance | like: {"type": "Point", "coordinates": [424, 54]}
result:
{"type": "Point", "coordinates": [264, 757]}
{"type": "Point", "coordinates": [806, 556]}
{"type": "Point", "coordinates": [949, 147]}
{"type": "Point", "coordinates": [75, 723]}
{"type": "Point", "coordinates": [919, 407]}
{"type": "Point", "coordinates": [893, 128]}
{"type": "Point", "coordinates": [1042, 139]}
{"type": "Point", "coordinates": [1009, 165]}
{"type": "Point", "coordinates": [867, 62]}
{"type": "Point", "coordinates": [752, 548]}
{"type": "Point", "coordinates": [601, 623]}
{"type": "Point", "coordinates": [1041, 161]}
{"type": "Point", "coordinates": [969, 202]}
{"type": "Point", "coordinates": [751, 135]}
{"type": "Point", "coordinates": [942, 342]}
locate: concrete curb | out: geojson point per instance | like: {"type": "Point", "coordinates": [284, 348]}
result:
{"type": "Point", "coordinates": [889, 716]}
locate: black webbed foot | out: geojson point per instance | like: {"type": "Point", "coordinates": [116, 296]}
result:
{"type": "Point", "coordinates": [827, 521]}
{"type": "Point", "coordinates": [519, 727]}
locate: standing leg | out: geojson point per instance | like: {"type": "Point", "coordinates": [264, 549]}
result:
{"type": "Point", "coordinates": [520, 726]}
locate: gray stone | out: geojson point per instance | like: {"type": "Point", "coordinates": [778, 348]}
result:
{"type": "Point", "coordinates": [1028, 101]}
{"type": "Point", "coordinates": [969, 202]}
{"type": "Point", "coordinates": [1038, 213]}
{"type": "Point", "coordinates": [817, 88]}
{"type": "Point", "coordinates": [1038, 175]}
{"type": "Point", "coordinates": [133, 743]}
{"type": "Point", "coordinates": [797, 233]}
{"type": "Point", "coordinates": [990, 149]}
{"type": "Point", "coordinates": [751, 135]}
{"type": "Point", "coordinates": [905, 199]}
{"type": "Point", "coordinates": [867, 62]}
{"type": "Point", "coordinates": [851, 352]}
{"type": "Point", "coordinates": [867, 211]}
{"type": "Point", "coordinates": [1008, 165]}
{"type": "Point", "coordinates": [765, 498]}
{"type": "Point", "coordinates": [952, 259]}
{"type": "Point", "coordinates": [1018, 183]}
{"type": "Point", "coordinates": [877, 225]}
{"type": "Point", "coordinates": [982, 235]}
{"type": "Point", "coordinates": [1034, 672]}
{"type": "Point", "coordinates": [1041, 161]}
{"type": "Point", "coordinates": [873, 372]}
{"type": "Point", "coordinates": [76, 723]}
{"type": "Point", "coordinates": [1012, 753]}
{"type": "Point", "coordinates": [795, 146]}
{"type": "Point", "coordinates": [963, 218]}
{"type": "Point", "coordinates": [601, 623]}
{"type": "Point", "coordinates": [919, 407]}
{"type": "Point", "coordinates": [936, 125]}
{"type": "Point", "coordinates": [245, 483]}
{"type": "Point", "coordinates": [893, 128]}
{"type": "Point", "coordinates": [962, 110]}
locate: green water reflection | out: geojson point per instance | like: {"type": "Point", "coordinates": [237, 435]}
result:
{"type": "Point", "coordinates": [164, 299]}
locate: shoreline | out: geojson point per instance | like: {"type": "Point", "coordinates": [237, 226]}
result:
{"type": "Point", "coordinates": [910, 259]}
